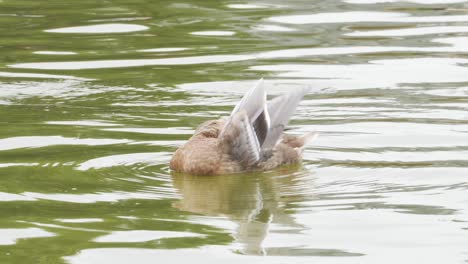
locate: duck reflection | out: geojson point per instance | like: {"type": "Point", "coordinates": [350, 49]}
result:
{"type": "Point", "coordinates": [253, 201]}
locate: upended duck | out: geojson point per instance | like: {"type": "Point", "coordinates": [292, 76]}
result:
{"type": "Point", "coordinates": [250, 139]}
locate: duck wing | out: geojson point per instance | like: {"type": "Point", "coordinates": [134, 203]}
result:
{"type": "Point", "coordinates": [280, 109]}
{"type": "Point", "coordinates": [242, 141]}
{"type": "Point", "coordinates": [254, 105]}
{"type": "Point", "coordinates": [255, 126]}
{"type": "Point", "coordinates": [247, 127]}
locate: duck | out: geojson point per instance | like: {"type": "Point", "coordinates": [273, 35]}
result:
{"type": "Point", "coordinates": [250, 139]}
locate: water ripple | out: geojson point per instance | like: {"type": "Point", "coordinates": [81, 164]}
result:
{"type": "Point", "coordinates": [86, 198]}
{"type": "Point", "coordinates": [410, 31]}
{"type": "Point", "coordinates": [9, 236]}
{"type": "Point", "coordinates": [125, 160]}
{"type": "Point", "coordinates": [45, 141]}
{"type": "Point", "coordinates": [102, 64]}
{"type": "Point", "coordinates": [84, 157]}
{"type": "Point", "coordinates": [142, 236]}
{"type": "Point", "coordinates": [100, 29]}
{"type": "Point", "coordinates": [362, 16]}
{"type": "Point", "coordinates": [423, 2]}
{"type": "Point", "coordinates": [388, 73]}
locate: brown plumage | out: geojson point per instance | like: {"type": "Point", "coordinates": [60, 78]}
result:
{"type": "Point", "coordinates": [250, 139]}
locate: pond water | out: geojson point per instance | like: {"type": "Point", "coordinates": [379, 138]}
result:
{"type": "Point", "coordinates": [95, 96]}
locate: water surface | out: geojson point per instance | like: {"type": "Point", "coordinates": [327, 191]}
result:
{"type": "Point", "coordinates": [96, 96]}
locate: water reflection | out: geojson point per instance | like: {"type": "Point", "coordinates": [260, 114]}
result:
{"type": "Point", "coordinates": [360, 17]}
{"type": "Point", "coordinates": [50, 52]}
{"type": "Point", "coordinates": [44, 141]}
{"type": "Point", "coordinates": [422, 2]}
{"type": "Point", "coordinates": [274, 28]}
{"type": "Point", "coordinates": [387, 73]}
{"type": "Point", "coordinates": [141, 236]}
{"type": "Point", "coordinates": [124, 159]}
{"type": "Point", "coordinates": [246, 6]}
{"type": "Point", "coordinates": [253, 201]}
{"type": "Point", "coordinates": [100, 29]}
{"type": "Point", "coordinates": [102, 64]}
{"type": "Point", "coordinates": [410, 31]}
{"type": "Point", "coordinates": [9, 236]}
{"type": "Point", "coordinates": [41, 76]}
{"type": "Point", "coordinates": [163, 49]}
{"type": "Point", "coordinates": [213, 33]}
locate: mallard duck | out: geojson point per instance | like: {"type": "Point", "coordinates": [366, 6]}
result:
{"type": "Point", "coordinates": [250, 139]}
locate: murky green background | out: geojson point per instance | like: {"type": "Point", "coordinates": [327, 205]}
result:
{"type": "Point", "coordinates": [96, 95]}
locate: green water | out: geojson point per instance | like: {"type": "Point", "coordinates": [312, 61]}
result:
{"type": "Point", "coordinates": [90, 116]}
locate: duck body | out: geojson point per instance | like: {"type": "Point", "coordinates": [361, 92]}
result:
{"type": "Point", "coordinates": [251, 139]}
